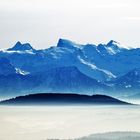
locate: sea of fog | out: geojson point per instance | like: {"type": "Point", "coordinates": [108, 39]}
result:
{"type": "Point", "coordinates": [65, 122]}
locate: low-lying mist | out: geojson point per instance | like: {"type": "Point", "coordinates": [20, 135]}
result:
{"type": "Point", "coordinates": [64, 122]}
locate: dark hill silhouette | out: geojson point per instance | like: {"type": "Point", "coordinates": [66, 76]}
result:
{"type": "Point", "coordinates": [62, 99]}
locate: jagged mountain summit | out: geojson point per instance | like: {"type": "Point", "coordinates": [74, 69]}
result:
{"type": "Point", "coordinates": [21, 47]}
{"type": "Point", "coordinates": [103, 65]}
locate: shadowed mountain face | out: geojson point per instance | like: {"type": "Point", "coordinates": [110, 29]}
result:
{"type": "Point", "coordinates": [70, 67]}
{"type": "Point", "coordinates": [62, 79]}
{"type": "Point", "coordinates": [6, 68]}
{"type": "Point", "coordinates": [131, 80]}
{"type": "Point", "coordinates": [65, 99]}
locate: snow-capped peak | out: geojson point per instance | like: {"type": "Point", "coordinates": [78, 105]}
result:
{"type": "Point", "coordinates": [116, 44]}
{"type": "Point", "coordinates": [67, 44]}
{"type": "Point", "coordinates": [115, 47]}
{"type": "Point", "coordinates": [112, 42]}
{"type": "Point", "coordinates": [112, 47]}
{"type": "Point", "coordinates": [21, 47]}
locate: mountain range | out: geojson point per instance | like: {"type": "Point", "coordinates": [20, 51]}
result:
{"type": "Point", "coordinates": [69, 67]}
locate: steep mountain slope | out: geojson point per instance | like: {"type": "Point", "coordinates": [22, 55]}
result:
{"type": "Point", "coordinates": [128, 84]}
{"type": "Point", "coordinates": [5, 67]}
{"type": "Point", "coordinates": [60, 79]}
{"type": "Point", "coordinates": [70, 79]}
{"type": "Point", "coordinates": [130, 80]}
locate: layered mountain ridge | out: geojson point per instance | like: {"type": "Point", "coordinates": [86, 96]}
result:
{"type": "Point", "coordinates": [70, 67]}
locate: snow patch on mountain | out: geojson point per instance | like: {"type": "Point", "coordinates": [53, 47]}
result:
{"type": "Point", "coordinates": [18, 51]}
{"type": "Point", "coordinates": [19, 71]}
{"type": "Point", "coordinates": [112, 48]}
{"type": "Point", "coordinates": [110, 75]}
{"type": "Point", "coordinates": [113, 43]}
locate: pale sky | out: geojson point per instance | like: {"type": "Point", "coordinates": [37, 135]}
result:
{"type": "Point", "coordinates": [43, 22]}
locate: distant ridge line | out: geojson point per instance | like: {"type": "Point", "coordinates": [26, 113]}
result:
{"type": "Point", "coordinates": [63, 99]}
